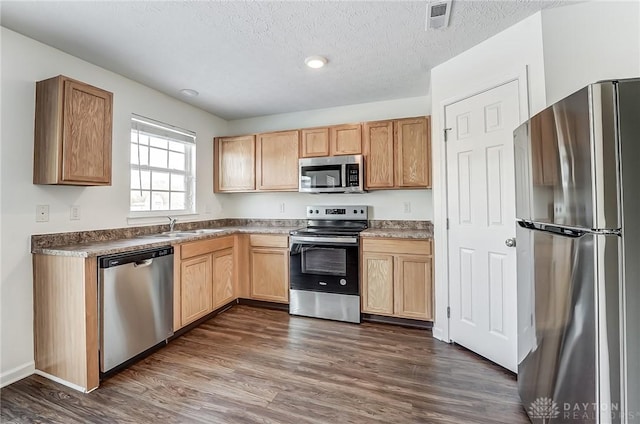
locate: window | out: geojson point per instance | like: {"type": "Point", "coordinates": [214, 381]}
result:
{"type": "Point", "coordinates": [162, 168]}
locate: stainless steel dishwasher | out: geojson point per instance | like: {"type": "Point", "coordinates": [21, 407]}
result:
{"type": "Point", "coordinates": [135, 292]}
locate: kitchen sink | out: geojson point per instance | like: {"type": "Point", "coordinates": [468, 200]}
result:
{"type": "Point", "coordinates": [186, 233]}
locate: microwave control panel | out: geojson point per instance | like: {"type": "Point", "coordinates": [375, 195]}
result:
{"type": "Point", "coordinates": [353, 175]}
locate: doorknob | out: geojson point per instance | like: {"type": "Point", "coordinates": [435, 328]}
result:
{"type": "Point", "coordinates": [510, 242]}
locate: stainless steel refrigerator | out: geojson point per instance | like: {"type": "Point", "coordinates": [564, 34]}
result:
{"type": "Point", "coordinates": [578, 247]}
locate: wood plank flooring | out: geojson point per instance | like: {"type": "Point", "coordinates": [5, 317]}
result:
{"type": "Point", "coordinates": [253, 365]}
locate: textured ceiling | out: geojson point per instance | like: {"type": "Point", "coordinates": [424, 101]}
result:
{"type": "Point", "coordinates": [246, 58]}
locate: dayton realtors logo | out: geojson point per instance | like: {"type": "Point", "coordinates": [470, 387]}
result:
{"type": "Point", "coordinates": [544, 408]}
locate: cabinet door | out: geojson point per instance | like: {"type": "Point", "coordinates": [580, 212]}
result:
{"type": "Point", "coordinates": [346, 139]}
{"type": "Point", "coordinates": [377, 283]}
{"type": "Point", "coordinates": [413, 295]}
{"type": "Point", "coordinates": [314, 142]}
{"type": "Point", "coordinates": [378, 151]}
{"type": "Point", "coordinates": [270, 274]}
{"type": "Point", "coordinates": [223, 292]}
{"type": "Point", "coordinates": [413, 155]}
{"type": "Point", "coordinates": [195, 288]}
{"type": "Point", "coordinates": [86, 129]}
{"type": "Point", "coordinates": [235, 164]}
{"type": "Point", "coordinates": [277, 161]}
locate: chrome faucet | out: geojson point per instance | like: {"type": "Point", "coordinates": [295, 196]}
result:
{"type": "Point", "coordinates": [172, 223]}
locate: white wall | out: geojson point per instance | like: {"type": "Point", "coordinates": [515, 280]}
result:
{"type": "Point", "coordinates": [25, 61]}
{"type": "Point", "coordinates": [491, 62]}
{"type": "Point", "coordinates": [384, 204]}
{"type": "Point", "coordinates": [374, 111]}
{"type": "Point", "coordinates": [589, 42]}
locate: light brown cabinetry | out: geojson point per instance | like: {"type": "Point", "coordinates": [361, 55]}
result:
{"type": "Point", "coordinates": [73, 130]}
{"type": "Point", "coordinates": [269, 263]}
{"type": "Point", "coordinates": [398, 153]}
{"type": "Point", "coordinates": [205, 280]}
{"type": "Point", "coordinates": [345, 139]}
{"type": "Point", "coordinates": [277, 161]}
{"type": "Point", "coordinates": [314, 142]}
{"type": "Point", "coordinates": [65, 306]}
{"type": "Point", "coordinates": [397, 278]}
{"type": "Point", "coordinates": [235, 160]}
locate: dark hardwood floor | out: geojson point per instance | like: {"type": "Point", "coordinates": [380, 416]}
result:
{"type": "Point", "coordinates": [252, 365]}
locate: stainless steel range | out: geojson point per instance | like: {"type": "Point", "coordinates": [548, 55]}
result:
{"type": "Point", "coordinates": [324, 268]}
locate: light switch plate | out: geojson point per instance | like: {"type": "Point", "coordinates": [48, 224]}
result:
{"type": "Point", "coordinates": [74, 213]}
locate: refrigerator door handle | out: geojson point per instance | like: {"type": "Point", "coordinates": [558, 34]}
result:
{"type": "Point", "coordinates": [572, 232]}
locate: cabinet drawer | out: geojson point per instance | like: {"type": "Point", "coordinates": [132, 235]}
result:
{"type": "Point", "coordinates": [399, 246]}
{"type": "Point", "coordinates": [264, 240]}
{"type": "Point", "coordinates": [201, 247]}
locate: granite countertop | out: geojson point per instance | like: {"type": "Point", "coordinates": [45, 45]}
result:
{"type": "Point", "coordinates": [397, 233]}
{"type": "Point", "coordinates": [86, 250]}
{"type": "Point", "coordinates": [94, 243]}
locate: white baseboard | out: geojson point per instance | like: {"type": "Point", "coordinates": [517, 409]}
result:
{"type": "Point", "coordinates": [60, 381]}
{"type": "Point", "coordinates": [17, 373]}
{"type": "Point", "coordinates": [439, 334]}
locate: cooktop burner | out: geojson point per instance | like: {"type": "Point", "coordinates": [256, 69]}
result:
{"type": "Point", "coordinates": [334, 221]}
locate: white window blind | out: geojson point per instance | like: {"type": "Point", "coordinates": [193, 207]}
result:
{"type": "Point", "coordinates": [162, 168]}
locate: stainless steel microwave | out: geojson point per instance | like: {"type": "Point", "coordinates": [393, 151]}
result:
{"type": "Point", "coordinates": [335, 174]}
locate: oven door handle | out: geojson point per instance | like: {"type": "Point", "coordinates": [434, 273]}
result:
{"type": "Point", "coordinates": [326, 240]}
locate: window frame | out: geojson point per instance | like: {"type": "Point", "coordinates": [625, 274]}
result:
{"type": "Point", "coordinates": [170, 133]}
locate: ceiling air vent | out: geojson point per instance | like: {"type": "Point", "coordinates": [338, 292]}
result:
{"type": "Point", "coordinates": [438, 14]}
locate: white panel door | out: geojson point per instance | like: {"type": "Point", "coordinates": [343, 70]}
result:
{"type": "Point", "coordinates": [481, 204]}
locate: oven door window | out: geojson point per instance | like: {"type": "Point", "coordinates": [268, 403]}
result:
{"type": "Point", "coordinates": [324, 261]}
{"type": "Point", "coordinates": [321, 176]}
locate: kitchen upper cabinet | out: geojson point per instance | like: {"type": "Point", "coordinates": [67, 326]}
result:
{"type": "Point", "coordinates": [379, 152]}
{"type": "Point", "coordinates": [277, 161]}
{"type": "Point", "coordinates": [204, 279]}
{"type": "Point", "coordinates": [398, 153]}
{"type": "Point", "coordinates": [397, 278]}
{"type": "Point", "coordinates": [314, 142]}
{"type": "Point", "coordinates": [345, 139]}
{"type": "Point", "coordinates": [73, 130]}
{"type": "Point", "coordinates": [235, 164]}
{"type": "Point", "coordinates": [413, 152]}
{"type": "Point", "coordinates": [269, 262]}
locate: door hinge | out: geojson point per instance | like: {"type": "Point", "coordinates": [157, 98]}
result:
{"type": "Point", "coordinates": [445, 133]}
{"type": "Point", "coordinates": [447, 223]}
{"type": "Point", "coordinates": [448, 311]}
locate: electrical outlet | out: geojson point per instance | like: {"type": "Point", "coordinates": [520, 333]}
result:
{"type": "Point", "coordinates": [282, 207]}
{"type": "Point", "coordinates": [208, 208]}
{"type": "Point", "coordinates": [74, 213]}
{"type": "Point", "coordinates": [407, 207]}
{"type": "Point", "coordinates": [42, 213]}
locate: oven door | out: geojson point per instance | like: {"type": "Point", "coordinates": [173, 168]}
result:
{"type": "Point", "coordinates": [324, 266]}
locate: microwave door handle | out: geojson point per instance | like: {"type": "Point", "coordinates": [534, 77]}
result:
{"type": "Point", "coordinates": [343, 169]}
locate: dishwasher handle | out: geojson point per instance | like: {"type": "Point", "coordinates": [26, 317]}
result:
{"type": "Point", "coordinates": [139, 258]}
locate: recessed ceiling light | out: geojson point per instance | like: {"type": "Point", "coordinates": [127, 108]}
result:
{"type": "Point", "coordinates": [189, 92]}
{"type": "Point", "coordinates": [315, 62]}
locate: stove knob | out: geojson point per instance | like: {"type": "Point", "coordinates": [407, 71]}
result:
{"type": "Point", "coordinates": [361, 210]}
{"type": "Point", "coordinates": [310, 210]}
{"type": "Point", "coordinates": [317, 211]}
{"type": "Point", "coordinates": [355, 211]}
{"type": "Point", "coordinates": [343, 282]}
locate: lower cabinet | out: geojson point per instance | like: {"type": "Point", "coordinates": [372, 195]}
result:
{"type": "Point", "coordinates": [204, 281]}
{"type": "Point", "coordinates": [269, 263]}
{"type": "Point", "coordinates": [397, 278]}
